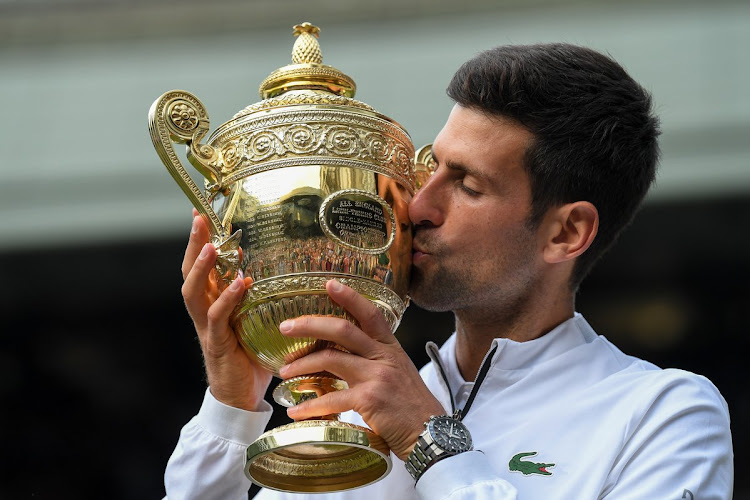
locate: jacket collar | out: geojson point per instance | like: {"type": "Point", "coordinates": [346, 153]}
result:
{"type": "Point", "coordinates": [519, 356]}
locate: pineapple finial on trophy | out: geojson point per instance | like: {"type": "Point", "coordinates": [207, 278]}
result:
{"type": "Point", "coordinates": [306, 47]}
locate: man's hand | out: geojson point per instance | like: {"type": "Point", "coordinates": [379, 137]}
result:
{"type": "Point", "coordinates": [384, 385]}
{"type": "Point", "coordinates": [234, 378]}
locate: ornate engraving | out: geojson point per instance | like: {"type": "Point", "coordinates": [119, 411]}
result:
{"type": "Point", "coordinates": [341, 140]}
{"type": "Point", "coordinates": [299, 114]}
{"type": "Point", "coordinates": [377, 146]}
{"type": "Point", "coordinates": [267, 289]}
{"type": "Point", "coordinates": [318, 136]}
{"type": "Point", "coordinates": [295, 98]}
{"type": "Point", "coordinates": [301, 139]}
{"type": "Point", "coordinates": [183, 116]}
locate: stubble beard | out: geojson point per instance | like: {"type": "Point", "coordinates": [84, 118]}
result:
{"type": "Point", "coordinates": [460, 289]}
{"type": "Point", "coordinates": [437, 291]}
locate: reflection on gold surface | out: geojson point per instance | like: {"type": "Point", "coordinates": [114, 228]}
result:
{"type": "Point", "coordinates": [346, 456]}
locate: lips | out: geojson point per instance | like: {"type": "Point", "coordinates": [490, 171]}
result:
{"type": "Point", "coordinates": [418, 253]}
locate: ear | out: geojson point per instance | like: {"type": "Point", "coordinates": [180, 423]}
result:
{"type": "Point", "coordinates": [571, 230]}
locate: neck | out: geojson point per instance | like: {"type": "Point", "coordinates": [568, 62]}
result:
{"type": "Point", "coordinates": [476, 329]}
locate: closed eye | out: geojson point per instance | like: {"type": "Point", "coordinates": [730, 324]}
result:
{"type": "Point", "coordinates": [460, 172]}
{"type": "Point", "coordinates": [467, 189]}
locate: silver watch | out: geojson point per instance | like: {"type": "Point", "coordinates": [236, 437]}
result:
{"type": "Point", "coordinates": [443, 437]}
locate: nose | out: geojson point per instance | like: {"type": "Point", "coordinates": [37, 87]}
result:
{"type": "Point", "coordinates": [425, 208]}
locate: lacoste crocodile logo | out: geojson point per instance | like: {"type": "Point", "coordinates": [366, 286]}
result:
{"type": "Point", "coordinates": [526, 468]}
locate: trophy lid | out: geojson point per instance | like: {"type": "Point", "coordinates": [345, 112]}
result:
{"type": "Point", "coordinates": [307, 80]}
{"type": "Point", "coordinates": [307, 70]}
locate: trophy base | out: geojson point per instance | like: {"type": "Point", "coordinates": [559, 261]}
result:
{"type": "Point", "coordinates": [313, 456]}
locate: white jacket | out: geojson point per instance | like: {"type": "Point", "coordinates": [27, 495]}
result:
{"type": "Point", "coordinates": [613, 426]}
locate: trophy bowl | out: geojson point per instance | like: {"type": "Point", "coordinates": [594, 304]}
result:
{"type": "Point", "coordinates": [305, 186]}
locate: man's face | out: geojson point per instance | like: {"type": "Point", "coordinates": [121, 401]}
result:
{"type": "Point", "coordinates": [473, 249]}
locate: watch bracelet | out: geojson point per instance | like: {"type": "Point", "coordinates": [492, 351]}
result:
{"type": "Point", "coordinates": [427, 451]}
{"type": "Point", "coordinates": [418, 461]}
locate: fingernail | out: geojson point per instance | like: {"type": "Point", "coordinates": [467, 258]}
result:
{"type": "Point", "coordinates": [336, 286]}
{"type": "Point", "coordinates": [291, 411]}
{"type": "Point", "coordinates": [194, 229]}
{"type": "Point", "coordinates": [206, 251]}
{"type": "Point", "coordinates": [236, 284]}
{"type": "Point", "coordinates": [283, 370]}
{"type": "Point", "coordinates": [286, 326]}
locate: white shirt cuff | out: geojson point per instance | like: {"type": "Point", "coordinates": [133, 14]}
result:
{"type": "Point", "coordinates": [232, 424]}
{"type": "Point", "coordinates": [466, 475]}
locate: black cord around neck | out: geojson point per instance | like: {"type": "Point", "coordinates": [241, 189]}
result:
{"type": "Point", "coordinates": [460, 414]}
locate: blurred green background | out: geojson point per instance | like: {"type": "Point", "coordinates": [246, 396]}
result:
{"type": "Point", "coordinates": [99, 367]}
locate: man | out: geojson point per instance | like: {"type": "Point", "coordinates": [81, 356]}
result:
{"type": "Point", "coordinates": [544, 159]}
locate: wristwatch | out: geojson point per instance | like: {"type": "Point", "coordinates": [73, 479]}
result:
{"type": "Point", "coordinates": [443, 437]}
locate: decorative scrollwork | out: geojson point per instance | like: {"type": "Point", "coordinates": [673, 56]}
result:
{"type": "Point", "coordinates": [179, 116]}
{"type": "Point", "coordinates": [342, 140]}
{"type": "Point", "coordinates": [230, 156]}
{"type": "Point", "coordinates": [377, 146]}
{"type": "Point", "coordinates": [294, 98]}
{"type": "Point", "coordinates": [261, 146]}
{"type": "Point", "coordinates": [183, 116]}
{"type": "Point", "coordinates": [301, 139]}
{"type": "Point", "coordinates": [317, 135]}
{"type": "Point", "coordinates": [403, 161]}
{"type": "Point", "coordinates": [269, 288]}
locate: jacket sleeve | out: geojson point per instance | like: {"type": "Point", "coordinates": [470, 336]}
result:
{"type": "Point", "coordinates": [468, 476]}
{"type": "Point", "coordinates": [207, 462]}
{"type": "Point", "coordinates": [680, 448]}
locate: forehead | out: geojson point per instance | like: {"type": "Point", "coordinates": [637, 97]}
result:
{"type": "Point", "coordinates": [494, 145]}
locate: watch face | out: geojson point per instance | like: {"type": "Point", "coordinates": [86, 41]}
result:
{"type": "Point", "coordinates": [449, 434]}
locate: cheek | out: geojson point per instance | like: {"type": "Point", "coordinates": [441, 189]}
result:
{"type": "Point", "coordinates": [483, 222]}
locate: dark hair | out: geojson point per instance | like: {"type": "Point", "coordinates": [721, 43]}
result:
{"type": "Point", "coordinates": [595, 137]}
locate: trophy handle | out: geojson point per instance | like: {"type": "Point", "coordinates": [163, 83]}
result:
{"type": "Point", "coordinates": [180, 117]}
{"type": "Point", "coordinates": [424, 164]}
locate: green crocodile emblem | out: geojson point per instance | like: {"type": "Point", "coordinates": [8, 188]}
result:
{"type": "Point", "coordinates": [526, 468]}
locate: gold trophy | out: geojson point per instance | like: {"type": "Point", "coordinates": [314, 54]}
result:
{"type": "Point", "coordinates": [302, 187]}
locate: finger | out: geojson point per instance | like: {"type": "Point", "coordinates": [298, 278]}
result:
{"type": "Point", "coordinates": [340, 364]}
{"type": "Point", "coordinates": [218, 316]}
{"type": "Point", "coordinates": [199, 236]}
{"type": "Point", "coordinates": [195, 212]}
{"type": "Point", "coordinates": [337, 330]}
{"type": "Point", "coordinates": [194, 287]}
{"type": "Point", "coordinates": [370, 318]}
{"type": "Point", "coordinates": [333, 402]}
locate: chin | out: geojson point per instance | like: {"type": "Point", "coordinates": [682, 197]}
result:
{"type": "Point", "coordinates": [432, 307]}
{"type": "Point", "coordinates": [428, 297]}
